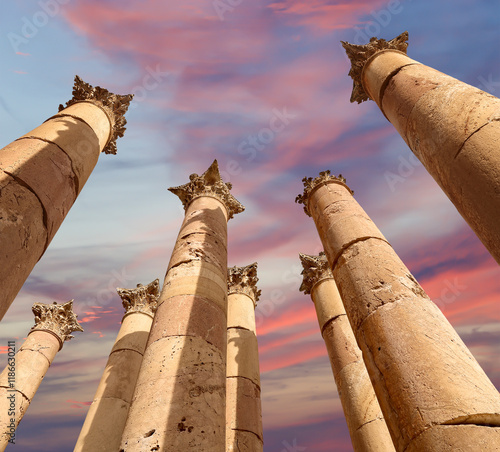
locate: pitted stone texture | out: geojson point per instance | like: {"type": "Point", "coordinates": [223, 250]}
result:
{"type": "Point", "coordinates": [241, 312]}
{"type": "Point", "coordinates": [47, 171]}
{"type": "Point", "coordinates": [92, 115]}
{"type": "Point", "coordinates": [23, 237]}
{"type": "Point", "coordinates": [242, 355]}
{"type": "Point", "coordinates": [239, 441]}
{"type": "Point", "coordinates": [457, 438]}
{"type": "Point", "coordinates": [365, 287]}
{"type": "Point", "coordinates": [339, 220]}
{"type": "Point", "coordinates": [190, 315]}
{"type": "Point", "coordinates": [76, 139]}
{"type": "Point", "coordinates": [104, 432]}
{"type": "Point", "coordinates": [380, 68]}
{"type": "Point", "coordinates": [180, 377]}
{"type": "Point", "coordinates": [203, 236]}
{"type": "Point", "coordinates": [196, 278]}
{"type": "Point", "coordinates": [422, 371]}
{"type": "Point", "coordinates": [327, 301]}
{"type": "Point", "coordinates": [244, 406]}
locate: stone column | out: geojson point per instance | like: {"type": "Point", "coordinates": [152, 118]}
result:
{"type": "Point", "coordinates": [453, 128]}
{"type": "Point", "coordinates": [20, 380]}
{"type": "Point", "coordinates": [103, 426]}
{"type": "Point", "coordinates": [42, 173]}
{"type": "Point", "coordinates": [364, 417]}
{"type": "Point", "coordinates": [243, 409]}
{"type": "Point", "coordinates": [179, 403]}
{"type": "Point", "coordinates": [426, 380]}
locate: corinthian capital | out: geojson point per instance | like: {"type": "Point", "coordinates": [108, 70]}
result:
{"type": "Point", "coordinates": [244, 280]}
{"type": "Point", "coordinates": [141, 299]}
{"type": "Point", "coordinates": [209, 184]}
{"type": "Point", "coordinates": [57, 319]}
{"type": "Point", "coordinates": [114, 105]}
{"type": "Point", "coordinates": [316, 268]}
{"type": "Point", "coordinates": [359, 55]}
{"type": "Point", "coordinates": [310, 184]}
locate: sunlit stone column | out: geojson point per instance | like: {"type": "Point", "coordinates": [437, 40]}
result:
{"type": "Point", "coordinates": [42, 173]}
{"type": "Point", "coordinates": [243, 409]}
{"type": "Point", "coordinates": [103, 426]}
{"type": "Point", "coordinates": [452, 127]}
{"type": "Point", "coordinates": [179, 403]}
{"type": "Point", "coordinates": [54, 324]}
{"type": "Point", "coordinates": [425, 378]}
{"type": "Point", "coordinates": [364, 418]}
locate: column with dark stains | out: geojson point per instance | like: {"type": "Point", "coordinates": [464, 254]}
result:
{"type": "Point", "coordinates": [179, 402]}
{"type": "Point", "coordinates": [432, 391]}
{"type": "Point", "coordinates": [103, 426]}
{"type": "Point", "coordinates": [453, 128]}
{"type": "Point", "coordinates": [54, 324]}
{"type": "Point", "coordinates": [243, 410]}
{"type": "Point", "coordinates": [42, 173]}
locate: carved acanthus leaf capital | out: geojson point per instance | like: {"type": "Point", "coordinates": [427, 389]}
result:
{"type": "Point", "coordinates": [359, 55]}
{"type": "Point", "coordinates": [244, 280]}
{"type": "Point", "coordinates": [209, 184]}
{"type": "Point", "coordinates": [311, 183]}
{"type": "Point", "coordinates": [114, 105]}
{"type": "Point", "coordinates": [58, 319]}
{"type": "Point", "coordinates": [316, 268]}
{"type": "Point", "coordinates": [141, 299]}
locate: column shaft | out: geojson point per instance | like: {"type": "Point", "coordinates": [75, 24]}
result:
{"type": "Point", "coordinates": [243, 410]}
{"type": "Point", "coordinates": [423, 374]}
{"type": "Point", "coordinates": [181, 384]}
{"type": "Point", "coordinates": [41, 175]}
{"type": "Point", "coordinates": [364, 417]}
{"type": "Point", "coordinates": [452, 127]}
{"type": "Point", "coordinates": [103, 426]}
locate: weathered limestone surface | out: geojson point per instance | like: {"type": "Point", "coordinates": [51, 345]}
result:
{"type": "Point", "coordinates": [42, 173]}
{"type": "Point", "coordinates": [365, 421]}
{"type": "Point", "coordinates": [54, 324]}
{"type": "Point", "coordinates": [422, 372]}
{"type": "Point", "coordinates": [452, 127]}
{"type": "Point", "coordinates": [105, 420]}
{"type": "Point", "coordinates": [182, 380]}
{"type": "Point", "coordinates": [243, 404]}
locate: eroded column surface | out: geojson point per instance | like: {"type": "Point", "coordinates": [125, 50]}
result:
{"type": "Point", "coordinates": [364, 417]}
{"type": "Point", "coordinates": [423, 374]}
{"type": "Point", "coordinates": [42, 173]}
{"type": "Point", "coordinates": [180, 398]}
{"type": "Point", "coordinates": [452, 127]}
{"type": "Point", "coordinates": [20, 380]}
{"type": "Point", "coordinates": [243, 409]}
{"type": "Point", "coordinates": [103, 426]}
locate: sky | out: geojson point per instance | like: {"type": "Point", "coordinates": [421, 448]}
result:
{"type": "Point", "coordinates": [209, 77]}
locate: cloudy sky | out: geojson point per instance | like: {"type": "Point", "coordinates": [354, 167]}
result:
{"type": "Point", "coordinates": [209, 78]}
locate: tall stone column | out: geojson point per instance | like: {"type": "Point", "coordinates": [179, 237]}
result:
{"type": "Point", "coordinates": [243, 409]}
{"type": "Point", "coordinates": [364, 417]}
{"type": "Point", "coordinates": [432, 391]}
{"type": "Point", "coordinates": [103, 426]}
{"type": "Point", "coordinates": [20, 380]}
{"type": "Point", "coordinates": [42, 173]}
{"type": "Point", "coordinates": [453, 128]}
{"type": "Point", "coordinates": [179, 403]}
